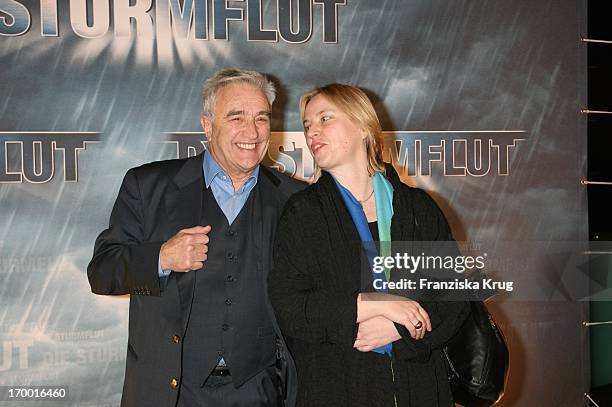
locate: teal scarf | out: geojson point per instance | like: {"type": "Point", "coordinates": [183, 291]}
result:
{"type": "Point", "coordinates": [383, 193]}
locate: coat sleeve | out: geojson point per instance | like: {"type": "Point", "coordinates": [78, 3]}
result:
{"type": "Point", "coordinates": [122, 262]}
{"type": "Point", "coordinates": [305, 308]}
{"type": "Point", "coordinates": [446, 316]}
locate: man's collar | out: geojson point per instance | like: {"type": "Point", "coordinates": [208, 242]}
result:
{"type": "Point", "coordinates": [212, 169]}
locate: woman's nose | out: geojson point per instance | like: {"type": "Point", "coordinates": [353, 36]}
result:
{"type": "Point", "coordinates": [313, 131]}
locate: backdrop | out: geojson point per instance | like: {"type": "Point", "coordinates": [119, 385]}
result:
{"type": "Point", "coordinates": [479, 100]}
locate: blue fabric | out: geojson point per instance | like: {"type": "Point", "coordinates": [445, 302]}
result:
{"type": "Point", "coordinates": [230, 201]}
{"type": "Point", "coordinates": [220, 184]}
{"type": "Point", "coordinates": [361, 223]}
{"type": "Point", "coordinates": [383, 193]}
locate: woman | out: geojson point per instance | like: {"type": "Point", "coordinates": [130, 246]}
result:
{"type": "Point", "coordinates": [349, 349]}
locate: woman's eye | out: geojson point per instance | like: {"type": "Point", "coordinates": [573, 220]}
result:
{"type": "Point", "coordinates": [325, 118]}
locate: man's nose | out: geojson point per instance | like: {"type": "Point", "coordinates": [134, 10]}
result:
{"type": "Point", "coordinates": [250, 129]}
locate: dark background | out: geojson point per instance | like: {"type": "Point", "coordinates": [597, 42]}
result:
{"type": "Point", "coordinates": [600, 196]}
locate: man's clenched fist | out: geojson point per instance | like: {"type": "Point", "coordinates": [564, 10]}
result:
{"type": "Point", "coordinates": [185, 251]}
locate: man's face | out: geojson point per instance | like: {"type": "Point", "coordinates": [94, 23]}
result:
{"type": "Point", "coordinates": [239, 135]}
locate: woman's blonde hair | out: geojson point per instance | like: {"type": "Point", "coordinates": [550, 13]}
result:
{"type": "Point", "coordinates": [355, 104]}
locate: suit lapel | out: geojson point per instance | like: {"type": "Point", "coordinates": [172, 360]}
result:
{"type": "Point", "coordinates": [266, 215]}
{"type": "Point", "coordinates": [267, 211]}
{"type": "Point", "coordinates": [184, 210]}
{"type": "Point", "coordinates": [184, 203]}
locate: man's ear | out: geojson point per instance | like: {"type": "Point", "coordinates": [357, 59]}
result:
{"type": "Point", "coordinates": [206, 126]}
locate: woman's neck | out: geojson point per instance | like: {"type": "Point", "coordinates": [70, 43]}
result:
{"type": "Point", "coordinates": [356, 180]}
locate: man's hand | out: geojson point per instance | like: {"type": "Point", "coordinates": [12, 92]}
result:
{"type": "Point", "coordinates": [374, 333]}
{"type": "Point", "coordinates": [185, 251]}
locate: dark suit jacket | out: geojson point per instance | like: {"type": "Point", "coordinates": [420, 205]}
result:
{"type": "Point", "coordinates": [155, 201]}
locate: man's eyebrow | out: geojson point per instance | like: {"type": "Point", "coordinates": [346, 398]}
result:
{"type": "Point", "coordinates": [242, 112]}
{"type": "Point", "coordinates": [234, 113]}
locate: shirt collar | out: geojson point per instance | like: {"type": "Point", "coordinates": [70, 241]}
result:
{"type": "Point", "coordinates": [212, 170]}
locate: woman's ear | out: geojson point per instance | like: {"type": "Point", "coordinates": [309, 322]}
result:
{"type": "Point", "coordinates": [364, 134]}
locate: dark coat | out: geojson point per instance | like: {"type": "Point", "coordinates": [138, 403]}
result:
{"type": "Point", "coordinates": [155, 201]}
{"type": "Point", "coordinates": [313, 288]}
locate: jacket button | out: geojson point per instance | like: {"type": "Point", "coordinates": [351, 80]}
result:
{"type": "Point", "coordinates": [176, 339]}
{"type": "Point", "coordinates": [230, 232]}
{"type": "Point", "coordinates": [173, 383]}
{"type": "Point", "coordinates": [228, 302]}
{"type": "Point", "coordinates": [224, 327]}
{"type": "Point", "coordinates": [230, 279]}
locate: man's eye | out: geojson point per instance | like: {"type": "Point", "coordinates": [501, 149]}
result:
{"type": "Point", "coordinates": [263, 119]}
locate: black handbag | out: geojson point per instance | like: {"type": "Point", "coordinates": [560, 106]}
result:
{"type": "Point", "coordinates": [477, 359]}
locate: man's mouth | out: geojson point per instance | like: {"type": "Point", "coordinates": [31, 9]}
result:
{"type": "Point", "coordinates": [246, 146]}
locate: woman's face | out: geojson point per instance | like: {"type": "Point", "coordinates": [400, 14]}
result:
{"type": "Point", "coordinates": [332, 137]}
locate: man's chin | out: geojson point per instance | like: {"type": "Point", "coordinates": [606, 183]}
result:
{"type": "Point", "coordinates": [250, 159]}
{"type": "Point", "coordinates": [249, 167]}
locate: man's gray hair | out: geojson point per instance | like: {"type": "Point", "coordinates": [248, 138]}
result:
{"type": "Point", "coordinates": [232, 75]}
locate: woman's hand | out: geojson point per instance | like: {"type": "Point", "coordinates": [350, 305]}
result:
{"type": "Point", "coordinates": [374, 333]}
{"type": "Point", "coordinates": [395, 308]}
{"type": "Point", "coordinates": [410, 314]}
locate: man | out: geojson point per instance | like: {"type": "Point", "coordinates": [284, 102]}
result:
{"type": "Point", "coordinates": [190, 241]}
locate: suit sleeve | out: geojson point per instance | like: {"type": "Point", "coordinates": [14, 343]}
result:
{"type": "Point", "coordinates": [446, 316]}
{"type": "Point", "coordinates": [122, 262]}
{"type": "Point", "coordinates": [306, 309]}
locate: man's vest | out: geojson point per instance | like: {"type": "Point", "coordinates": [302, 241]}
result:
{"type": "Point", "coordinates": [229, 316]}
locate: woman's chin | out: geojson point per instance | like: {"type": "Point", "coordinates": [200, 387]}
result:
{"type": "Point", "coordinates": [323, 165]}
{"type": "Point", "coordinates": [320, 163]}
